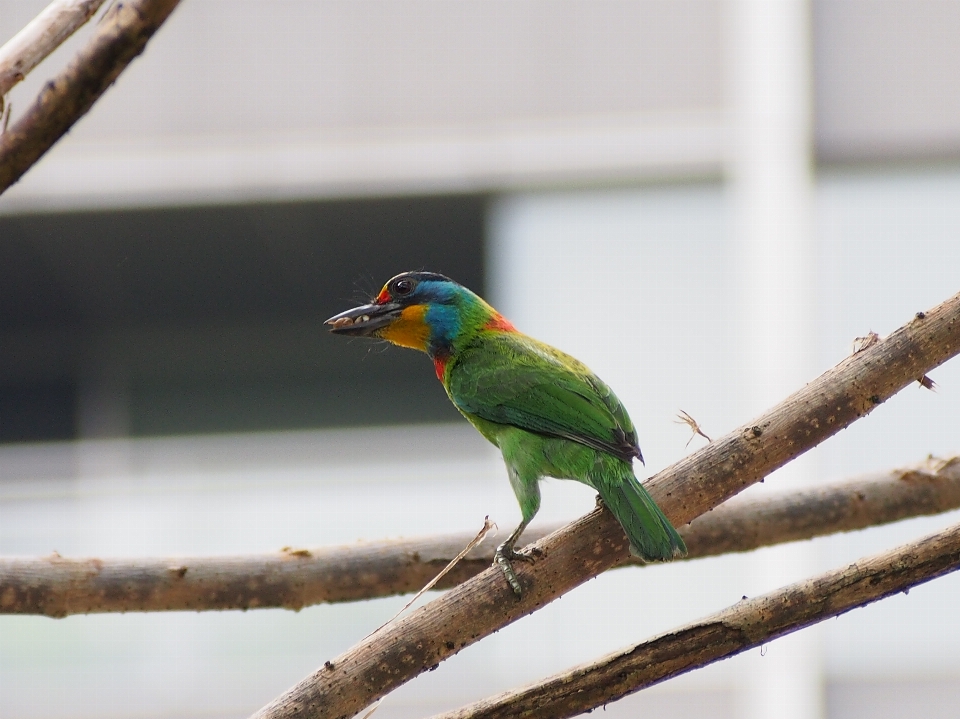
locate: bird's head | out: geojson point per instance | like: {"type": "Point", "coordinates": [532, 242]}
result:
{"type": "Point", "coordinates": [422, 310]}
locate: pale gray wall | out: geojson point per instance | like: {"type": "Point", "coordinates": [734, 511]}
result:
{"type": "Point", "coordinates": [237, 99]}
{"type": "Point", "coordinates": [887, 78]}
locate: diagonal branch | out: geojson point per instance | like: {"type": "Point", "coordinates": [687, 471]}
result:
{"type": "Point", "coordinates": [56, 587]}
{"type": "Point", "coordinates": [121, 36]}
{"type": "Point", "coordinates": [743, 626]}
{"type": "Point", "coordinates": [595, 543]}
{"type": "Point", "coordinates": [40, 37]}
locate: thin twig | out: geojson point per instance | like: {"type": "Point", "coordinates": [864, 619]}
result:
{"type": "Point", "coordinates": [865, 342]}
{"type": "Point", "coordinates": [685, 418]}
{"type": "Point", "coordinates": [595, 543]}
{"type": "Point", "coordinates": [743, 626]}
{"type": "Point", "coordinates": [481, 535]}
{"type": "Point", "coordinates": [120, 37]}
{"type": "Point", "coordinates": [58, 586]}
{"type": "Point", "coordinates": [40, 37]}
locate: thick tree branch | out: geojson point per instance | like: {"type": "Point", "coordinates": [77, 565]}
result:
{"type": "Point", "coordinates": [41, 36]}
{"type": "Point", "coordinates": [56, 587]}
{"type": "Point", "coordinates": [743, 626]}
{"type": "Point", "coordinates": [121, 36]}
{"type": "Point", "coordinates": [484, 604]}
{"type": "Point", "coordinates": [931, 487]}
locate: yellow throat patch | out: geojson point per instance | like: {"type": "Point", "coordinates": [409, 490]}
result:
{"type": "Point", "coordinates": [410, 329]}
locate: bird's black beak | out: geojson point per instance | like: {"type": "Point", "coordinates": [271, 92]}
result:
{"type": "Point", "coordinates": [366, 320]}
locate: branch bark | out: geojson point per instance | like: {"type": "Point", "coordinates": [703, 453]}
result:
{"type": "Point", "coordinates": [480, 606]}
{"type": "Point", "coordinates": [41, 36]}
{"type": "Point", "coordinates": [743, 626]}
{"type": "Point", "coordinates": [930, 487]}
{"type": "Point", "coordinates": [57, 587]}
{"type": "Point", "coordinates": [121, 36]}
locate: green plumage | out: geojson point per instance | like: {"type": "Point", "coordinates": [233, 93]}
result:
{"type": "Point", "coordinates": [552, 417]}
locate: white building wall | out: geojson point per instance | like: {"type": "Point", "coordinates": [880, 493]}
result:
{"type": "Point", "coordinates": [237, 100]}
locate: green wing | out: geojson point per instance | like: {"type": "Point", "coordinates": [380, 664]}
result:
{"type": "Point", "coordinates": [513, 379]}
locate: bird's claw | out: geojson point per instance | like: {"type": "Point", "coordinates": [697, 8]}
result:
{"type": "Point", "coordinates": [503, 557]}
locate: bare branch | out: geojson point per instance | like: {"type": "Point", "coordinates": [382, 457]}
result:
{"type": "Point", "coordinates": [56, 586]}
{"type": "Point", "coordinates": [930, 487]}
{"type": "Point", "coordinates": [484, 604]}
{"type": "Point", "coordinates": [42, 35]}
{"type": "Point", "coordinates": [743, 626]}
{"type": "Point", "coordinates": [120, 37]}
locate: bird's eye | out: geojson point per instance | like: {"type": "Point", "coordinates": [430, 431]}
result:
{"type": "Point", "coordinates": [403, 287]}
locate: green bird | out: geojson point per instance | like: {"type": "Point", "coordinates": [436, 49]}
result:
{"type": "Point", "coordinates": [546, 411]}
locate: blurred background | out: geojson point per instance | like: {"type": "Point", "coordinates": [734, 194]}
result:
{"type": "Point", "coordinates": [705, 201]}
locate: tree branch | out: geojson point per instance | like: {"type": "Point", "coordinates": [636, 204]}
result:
{"type": "Point", "coordinates": [745, 625]}
{"type": "Point", "coordinates": [931, 487]}
{"type": "Point", "coordinates": [484, 604]}
{"type": "Point", "coordinates": [121, 36]}
{"type": "Point", "coordinates": [41, 36]}
{"type": "Point", "coordinates": [56, 587]}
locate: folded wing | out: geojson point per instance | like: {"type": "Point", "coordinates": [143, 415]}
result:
{"type": "Point", "coordinates": [512, 379]}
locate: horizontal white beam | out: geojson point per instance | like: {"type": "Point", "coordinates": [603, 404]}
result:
{"type": "Point", "coordinates": [244, 168]}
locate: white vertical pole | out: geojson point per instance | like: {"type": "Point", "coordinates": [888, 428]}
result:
{"type": "Point", "coordinates": [770, 186]}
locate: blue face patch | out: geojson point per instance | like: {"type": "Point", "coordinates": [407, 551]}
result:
{"type": "Point", "coordinates": [444, 322]}
{"type": "Point", "coordinates": [443, 312]}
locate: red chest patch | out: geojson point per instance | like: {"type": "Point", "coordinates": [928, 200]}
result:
{"type": "Point", "coordinates": [499, 322]}
{"type": "Point", "coordinates": [440, 365]}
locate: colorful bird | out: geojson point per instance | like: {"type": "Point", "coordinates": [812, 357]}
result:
{"type": "Point", "coordinates": [546, 411]}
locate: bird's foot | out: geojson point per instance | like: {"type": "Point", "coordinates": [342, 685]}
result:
{"type": "Point", "coordinates": [502, 558]}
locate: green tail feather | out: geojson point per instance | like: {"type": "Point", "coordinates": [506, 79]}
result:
{"type": "Point", "coordinates": [652, 537]}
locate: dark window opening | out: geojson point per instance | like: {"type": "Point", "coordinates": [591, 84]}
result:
{"type": "Point", "coordinates": [32, 412]}
{"type": "Point", "coordinates": [209, 319]}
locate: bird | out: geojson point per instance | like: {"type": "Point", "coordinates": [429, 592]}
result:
{"type": "Point", "coordinates": [546, 411]}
